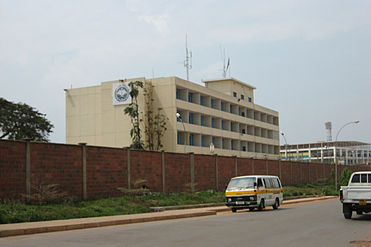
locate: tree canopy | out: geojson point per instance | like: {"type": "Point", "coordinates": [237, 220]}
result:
{"type": "Point", "coordinates": [20, 121]}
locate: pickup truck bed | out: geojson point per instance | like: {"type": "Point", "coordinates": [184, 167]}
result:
{"type": "Point", "coordinates": [357, 193]}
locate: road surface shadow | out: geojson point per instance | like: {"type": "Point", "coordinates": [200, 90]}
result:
{"type": "Point", "coordinates": [257, 211]}
{"type": "Point", "coordinates": [366, 217]}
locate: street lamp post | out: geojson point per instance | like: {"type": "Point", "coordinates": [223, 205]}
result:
{"type": "Point", "coordinates": [335, 154]}
{"type": "Point", "coordinates": [212, 147]}
{"type": "Point", "coordinates": [285, 145]}
{"type": "Point", "coordinates": [185, 136]}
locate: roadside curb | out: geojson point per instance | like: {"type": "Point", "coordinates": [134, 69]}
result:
{"type": "Point", "coordinates": [309, 199]}
{"type": "Point", "coordinates": [15, 229]}
{"type": "Point", "coordinates": [205, 205]}
{"type": "Point", "coordinates": [167, 213]}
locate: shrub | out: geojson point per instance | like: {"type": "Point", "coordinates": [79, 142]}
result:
{"type": "Point", "coordinates": [344, 177]}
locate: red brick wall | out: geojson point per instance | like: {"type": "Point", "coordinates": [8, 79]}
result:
{"type": "Point", "coordinates": [146, 166]}
{"type": "Point", "coordinates": [260, 167]}
{"type": "Point", "coordinates": [57, 164]}
{"type": "Point", "coordinates": [107, 169]}
{"type": "Point", "coordinates": [286, 172]}
{"type": "Point", "coordinates": [273, 167]}
{"type": "Point", "coordinates": [244, 166]}
{"type": "Point", "coordinates": [12, 169]}
{"type": "Point", "coordinates": [205, 172]}
{"type": "Point", "coordinates": [177, 172]}
{"type": "Point", "coordinates": [226, 170]}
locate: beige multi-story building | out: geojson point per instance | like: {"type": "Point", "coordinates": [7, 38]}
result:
{"type": "Point", "coordinates": [220, 117]}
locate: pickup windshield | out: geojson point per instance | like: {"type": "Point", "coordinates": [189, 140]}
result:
{"type": "Point", "coordinates": [241, 183]}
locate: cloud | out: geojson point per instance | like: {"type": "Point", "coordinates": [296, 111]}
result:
{"type": "Point", "coordinates": [160, 22]}
{"type": "Point", "coordinates": [267, 21]}
{"type": "Point", "coordinates": [211, 71]}
{"type": "Point", "coordinates": [156, 15]}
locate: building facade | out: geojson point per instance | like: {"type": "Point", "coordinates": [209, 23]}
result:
{"type": "Point", "coordinates": [218, 118]}
{"type": "Point", "coordinates": [348, 153]}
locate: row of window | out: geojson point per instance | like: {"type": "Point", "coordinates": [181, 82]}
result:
{"type": "Point", "coordinates": [329, 153]}
{"type": "Point", "coordinates": [218, 123]}
{"type": "Point", "coordinates": [218, 104]}
{"type": "Point", "coordinates": [193, 139]}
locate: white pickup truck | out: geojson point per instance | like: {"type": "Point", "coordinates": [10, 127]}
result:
{"type": "Point", "coordinates": [357, 195]}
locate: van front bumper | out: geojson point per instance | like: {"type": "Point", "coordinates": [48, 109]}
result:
{"type": "Point", "coordinates": [242, 204]}
{"type": "Point", "coordinates": [241, 201]}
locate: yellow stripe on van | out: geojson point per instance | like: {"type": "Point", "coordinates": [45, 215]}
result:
{"type": "Point", "coordinates": [249, 192]}
{"type": "Point", "coordinates": [236, 193]}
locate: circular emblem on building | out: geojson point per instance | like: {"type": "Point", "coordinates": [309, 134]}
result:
{"type": "Point", "coordinates": [122, 93]}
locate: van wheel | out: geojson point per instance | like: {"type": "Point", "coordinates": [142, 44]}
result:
{"type": "Point", "coordinates": [251, 209]}
{"type": "Point", "coordinates": [261, 205]}
{"type": "Point", "coordinates": [276, 204]}
{"type": "Point", "coordinates": [234, 210]}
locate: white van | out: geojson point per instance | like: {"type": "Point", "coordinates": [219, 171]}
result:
{"type": "Point", "coordinates": [255, 191]}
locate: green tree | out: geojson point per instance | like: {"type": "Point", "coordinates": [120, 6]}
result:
{"type": "Point", "coordinates": [344, 177]}
{"type": "Point", "coordinates": [21, 121]}
{"type": "Point", "coordinates": [155, 121]}
{"type": "Point", "coordinates": [160, 127]}
{"type": "Point", "coordinates": [133, 112]}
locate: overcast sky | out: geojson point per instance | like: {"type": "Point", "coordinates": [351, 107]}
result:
{"type": "Point", "coordinates": [309, 60]}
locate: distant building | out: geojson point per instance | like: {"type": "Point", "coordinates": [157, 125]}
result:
{"type": "Point", "coordinates": [346, 152]}
{"type": "Point", "coordinates": [220, 117]}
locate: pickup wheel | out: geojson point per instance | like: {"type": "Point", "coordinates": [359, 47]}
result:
{"type": "Point", "coordinates": [234, 210]}
{"type": "Point", "coordinates": [347, 210]}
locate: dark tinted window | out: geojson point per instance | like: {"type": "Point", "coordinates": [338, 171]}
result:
{"type": "Point", "coordinates": [363, 178]}
{"type": "Point", "coordinates": [260, 183]}
{"type": "Point", "coordinates": [369, 178]}
{"type": "Point", "coordinates": [355, 178]}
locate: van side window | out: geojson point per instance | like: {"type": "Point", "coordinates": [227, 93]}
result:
{"type": "Point", "coordinates": [279, 183]}
{"type": "Point", "coordinates": [355, 178]}
{"type": "Point", "coordinates": [275, 183]}
{"type": "Point", "coordinates": [267, 183]}
{"type": "Point", "coordinates": [272, 180]}
{"type": "Point", "coordinates": [363, 178]}
{"type": "Point", "coordinates": [260, 183]}
{"type": "Point", "coordinates": [369, 178]}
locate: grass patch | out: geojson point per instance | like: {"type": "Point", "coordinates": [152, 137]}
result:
{"type": "Point", "coordinates": [315, 189]}
{"type": "Point", "coordinates": [15, 212]}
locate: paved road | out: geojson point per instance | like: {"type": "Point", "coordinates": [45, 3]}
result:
{"type": "Point", "coordinates": [314, 224]}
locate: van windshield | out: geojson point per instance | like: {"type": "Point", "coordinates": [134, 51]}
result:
{"type": "Point", "coordinates": [241, 183]}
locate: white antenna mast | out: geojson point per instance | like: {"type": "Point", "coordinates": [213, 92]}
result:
{"type": "Point", "coordinates": [188, 60]}
{"type": "Point", "coordinates": [225, 66]}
